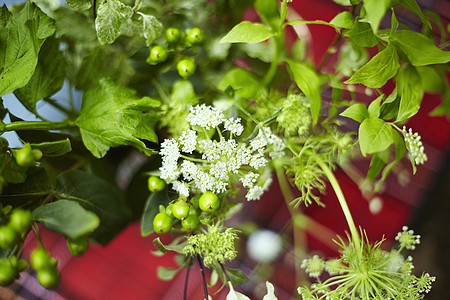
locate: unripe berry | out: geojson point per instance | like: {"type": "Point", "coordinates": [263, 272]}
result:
{"type": "Point", "coordinates": [195, 36]}
{"type": "Point", "coordinates": [24, 156]}
{"type": "Point", "coordinates": [48, 277]}
{"type": "Point", "coordinates": [173, 35]}
{"type": "Point", "coordinates": [78, 247]}
{"type": "Point", "coordinates": [209, 202]}
{"type": "Point", "coordinates": [7, 272]}
{"type": "Point", "coordinates": [180, 209]}
{"type": "Point", "coordinates": [156, 184]}
{"type": "Point", "coordinates": [191, 223]}
{"type": "Point", "coordinates": [9, 237]}
{"type": "Point", "coordinates": [186, 68]}
{"type": "Point", "coordinates": [21, 220]}
{"type": "Point", "coordinates": [158, 54]}
{"type": "Point", "coordinates": [162, 223]}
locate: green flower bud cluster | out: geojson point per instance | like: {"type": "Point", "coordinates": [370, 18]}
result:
{"type": "Point", "coordinates": [215, 245]}
{"type": "Point", "coordinates": [187, 213]}
{"type": "Point", "coordinates": [26, 156]}
{"type": "Point", "coordinates": [178, 41]}
{"type": "Point", "coordinates": [295, 118]}
{"type": "Point", "coordinates": [367, 272]}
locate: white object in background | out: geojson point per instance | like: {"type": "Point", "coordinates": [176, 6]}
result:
{"type": "Point", "coordinates": [264, 245]}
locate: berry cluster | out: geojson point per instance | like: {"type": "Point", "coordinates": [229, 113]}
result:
{"type": "Point", "coordinates": [26, 156]}
{"type": "Point", "coordinates": [178, 41]}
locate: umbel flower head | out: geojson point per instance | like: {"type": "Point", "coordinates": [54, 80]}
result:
{"type": "Point", "coordinates": [367, 272]}
{"type": "Point", "coordinates": [212, 163]}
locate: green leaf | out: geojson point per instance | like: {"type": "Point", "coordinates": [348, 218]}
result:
{"type": "Point", "coordinates": [167, 273]}
{"type": "Point", "coordinates": [48, 76]}
{"type": "Point", "coordinates": [20, 41]}
{"type": "Point", "coordinates": [362, 34]}
{"type": "Point", "coordinates": [174, 246]}
{"type": "Point", "coordinates": [151, 210]}
{"type": "Point", "coordinates": [10, 170]}
{"type": "Point", "coordinates": [375, 135]}
{"type": "Point", "coordinates": [375, 10]}
{"type": "Point", "coordinates": [357, 112]}
{"type": "Point", "coordinates": [376, 164]}
{"type": "Point", "coordinates": [378, 70]}
{"type": "Point", "coordinates": [351, 58]}
{"type": "Point", "coordinates": [96, 195]}
{"type": "Point", "coordinates": [409, 102]}
{"type": "Point", "coordinates": [151, 28]}
{"type": "Point", "coordinates": [343, 20]}
{"type": "Point", "coordinates": [375, 107]}
{"type": "Point", "coordinates": [66, 217]}
{"type": "Point", "coordinates": [79, 4]}
{"type": "Point", "coordinates": [309, 83]}
{"type": "Point", "coordinates": [268, 11]}
{"type": "Point", "coordinates": [419, 49]}
{"type": "Point", "coordinates": [112, 116]}
{"type": "Point", "coordinates": [236, 276]}
{"type": "Point", "coordinates": [54, 149]}
{"type": "Point", "coordinates": [110, 16]}
{"type": "Point", "coordinates": [247, 32]}
{"type": "Point", "coordinates": [432, 80]}
{"type": "Point", "coordinates": [412, 5]}
{"type": "Point", "coordinates": [30, 192]}
{"type": "Point", "coordinates": [245, 84]}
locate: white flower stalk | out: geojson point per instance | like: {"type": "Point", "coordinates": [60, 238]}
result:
{"type": "Point", "coordinates": [220, 159]}
{"type": "Point", "coordinates": [415, 146]}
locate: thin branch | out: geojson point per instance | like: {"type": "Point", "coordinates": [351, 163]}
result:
{"type": "Point", "coordinates": [205, 287]}
{"type": "Point", "coordinates": [187, 279]}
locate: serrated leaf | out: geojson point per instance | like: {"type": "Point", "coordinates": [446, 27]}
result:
{"type": "Point", "coordinates": [66, 217]}
{"type": "Point", "coordinates": [151, 210]}
{"type": "Point", "coordinates": [99, 196]}
{"type": "Point", "coordinates": [110, 16]}
{"type": "Point", "coordinates": [247, 32]}
{"type": "Point", "coordinates": [362, 34]}
{"type": "Point", "coordinates": [308, 82]}
{"type": "Point", "coordinates": [48, 76]}
{"type": "Point", "coordinates": [112, 116]}
{"type": "Point", "coordinates": [378, 70]}
{"type": "Point", "coordinates": [20, 42]}
{"type": "Point", "coordinates": [79, 4]}
{"type": "Point", "coordinates": [375, 135]}
{"type": "Point", "coordinates": [375, 10]}
{"type": "Point", "coordinates": [357, 112]}
{"type": "Point", "coordinates": [343, 20]}
{"type": "Point", "coordinates": [54, 149]}
{"type": "Point", "coordinates": [419, 49]}
{"type": "Point", "coordinates": [151, 28]}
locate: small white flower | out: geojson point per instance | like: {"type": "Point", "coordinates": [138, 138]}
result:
{"type": "Point", "coordinates": [258, 161]}
{"type": "Point", "coordinates": [169, 150]}
{"type": "Point", "coordinates": [169, 171]}
{"type": "Point", "coordinates": [415, 146]}
{"type": "Point", "coordinates": [205, 116]}
{"type": "Point", "coordinates": [249, 180]}
{"type": "Point", "coordinates": [181, 188]}
{"type": "Point", "coordinates": [256, 192]}
{"type": "Point", "coordinates": [210, 150]}
{"type": "Point", "coordinates": [189, 170]}
{"type": "Point", "coordinates": [234, 126]}
{"type": "Point", "coordinates": [188, 140]}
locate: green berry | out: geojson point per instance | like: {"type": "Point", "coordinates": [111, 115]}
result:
{"type": "Point", "coordinates": [41, 259]}
{"type": "Point", "coordinates": [186, 68]}
{"type": "Point", "coordinates": [158, 54]}
{"type": "Point", "coordinates": [209, 202]}
{"type": "Point", "coordinates": [78, 247]}
{"type": "Point", "coordinates": [19, 264]}
{"type": "Point", "coordinates": [180, 209]}
{"type": "Point", "coordinates": [156, 184]}
{"type": "Point", "coordinates": [24, 156]}
{"type": "Point", "coordinates": [48, 277]}
{"type": "Point", "coordinates": [169, 210]}
{"type": "Point", "coordinates": [195, 36]}
{"type": "Point", "coordinates": [37, 154]}
{"type": "Point", "coordinates": [8, 272]}
{"type": "Point", "coordinates": [9, 237]}
{"type": "Point", "coordinates": [162, 223]}
{"type": "Point", "coordinates": [21, 220]}
{"type": "Point", "coordinates": [173, 35]}
{"type": "Point", "coordinates": [191, 223]}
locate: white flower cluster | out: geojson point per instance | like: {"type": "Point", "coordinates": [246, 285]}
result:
{"type": "Point", "coordinates": [219, 159]}
{"type": "Point", "coordinates": [415, 146]}
{"type": "Point", "coordinates": [407, 238]}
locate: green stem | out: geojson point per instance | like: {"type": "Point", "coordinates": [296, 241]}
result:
{"type": "Point", "coordinates": [194, 159]}
{"type": "Point", "coordinates": [342, 202]}
{"type": "Point", "coordinates": [37, 125]}
{"type": "Point", "coordinates": [275, 60]}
